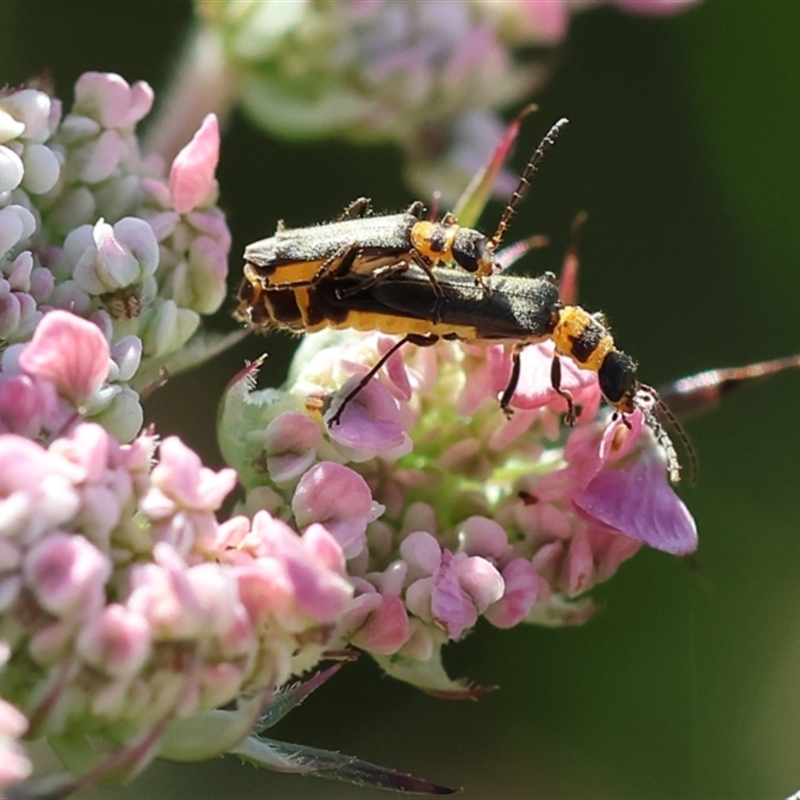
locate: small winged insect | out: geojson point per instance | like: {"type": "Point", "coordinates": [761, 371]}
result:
{"type": "Point", "coordinates": [360, 243]}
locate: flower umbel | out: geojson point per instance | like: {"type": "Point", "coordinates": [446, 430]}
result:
{"type": "Point", "coordinates": [447, 511]}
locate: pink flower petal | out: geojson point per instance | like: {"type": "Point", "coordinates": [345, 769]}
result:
{"type": "Point", "coordinates": [191, 178]}
{"type": "Point", "coordinates": [370, 424]}
{"type": "Point", "coordinates": [69, 352]}
{"type": "Point", "coordinates": [292, 576]}
{"type": "Point", "coordinates": [340, 500]}
{"type": "Point", "coordinates": [67, 574]}
{"type": "Point", "coordinates": [111, 100]}
{"type": "Point", "coordinates": [289, 442]}
{"type": "Point", "coordinates": [522, 584]}
{"type": "Point", "coordinates": [117, 641]}
{"type": "Point", "coordinates": [640, 503]}
{"type": "Point", "coordinates": [385, 629]}
{"type": "Point", "coordinates": [181, 476]}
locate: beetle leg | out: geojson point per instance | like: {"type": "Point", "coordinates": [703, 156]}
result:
{"type": "Point", "coordinates": [359, 208]}
{"type": "Point", "coordinates": [570, 417]}
{"type": "Point", "coordinates": [417, 339]}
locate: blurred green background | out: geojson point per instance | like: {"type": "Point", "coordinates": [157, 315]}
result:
{"type": "Point", "coordinates": [684, 147]}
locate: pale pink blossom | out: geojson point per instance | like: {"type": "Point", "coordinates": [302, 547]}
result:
{"type": "Point", "coordinates": [340, 500]}
{"type": "Point", "coordinates": [191, 177]}
{"type": "Point", "coordinates": [70, 353]}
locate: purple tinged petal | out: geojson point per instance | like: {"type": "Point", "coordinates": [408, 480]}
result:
{"type": "Point", "coordinates": [181, 476]}
{"type": "Point", "coordinates": [422, 553]}
{"type": "Point", "coordinates": [418, 598]}
{"type": "Point", "coordinates": [522, 585]}
{"type": "Point", "coordinates": [25, 465]}
{"type": "Point", "coordinates": [10, 311]}
{"type": "Point", "coordinates": [25, 404]}
{"type": "Point", "coordinates": [117, 641]}
{"type": "Point", "coordinates": [290, 443]}
{"type": "Point", "coordinates": [163, 224]}
{"type": "Point", "coordinates": [481, 536]}
{"type": "Point", "coordinates": [640, 503]}
{"type": "Point", "coordinates": [69, 352]}
{"type": "Point", "coordinates": [127, 355]}
{"type": "Point", "coordinates": [291, 578]}
{"type": "Point", "coordinates": [385, 629]}
{"type": "Point", "coordinates": [212, 223]}
{"type": "Point", "coordinates": [207, 271]}
{"type": "Point", "coordinates": [137, 237]}
{"type": "Point", "coordinates": [370, 424]}
{"type": "Point", "coordinates": [67, 575]}
{"type": "Point", "coordinates": [191, 177]}
{"type": "Point", "coordinates": [109, 99]}
{"type": "Point", "coordinates": [339, 499]}
{"type": "Point", "coordinates": [324, 549]}
{"type": "Point", "coordinates": [578, 573]}
{"type": "Point", "coordinates": [162, 595]}
{"type": "Point", "coordinates": [115, 264]}
{"type": "Point", "coordinates": [391, 580]}
{"type": "Point", "coordinates": [96, 160]}
{"type": "Point", "coordinates": [480, 579]}
{"type": "Point", "coordinates": [20, 270]}
{"type": "Point", "coordinates": [451, 606]}
{"type": "Point", "coordinates": [88, 447]}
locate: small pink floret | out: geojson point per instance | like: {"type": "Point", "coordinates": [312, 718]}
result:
{"type": "Point", "coordinates": [67, 574]}
{"type": "Point", "coordinates": [191, 177]}
{"type": "Point", "coordinates": [370, 423]}
{"type": "Point", "coordinates": [117, 641]}
{"type": "Point", "coordinates": [288, 580]}
{"type": "Point", "coordinates": [181, 476]}
{"type": "Point", "coordinates": [386, 628]}
{"type": "Point", "coordinates": [69, 352]}
{"type": "Point", "coordinates": [522, 584]}
{"type": "Point", "coordinates": [339, 499]}
{"type": "Point", "coordinates": [462, 589]}
{"type": "Point", "coordinates": [111, 100]}
{"type": "Point", "coordinates": [290, 444]}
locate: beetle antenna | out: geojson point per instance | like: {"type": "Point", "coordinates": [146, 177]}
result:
{"type": "Point", "coordinates": [530, 170]}
{"type": "Point", "coordinates": [673, 464]}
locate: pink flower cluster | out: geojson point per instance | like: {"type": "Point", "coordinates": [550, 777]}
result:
{"type": "Point", "coordinates": [90, 226]}
{"type": "Point", "coordinates": [445, 510]}
{"type": "Point", "coordinates": [124, 604]}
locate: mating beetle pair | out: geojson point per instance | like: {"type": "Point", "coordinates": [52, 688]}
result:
{"type": "Point", "coordinates": [385, 273]}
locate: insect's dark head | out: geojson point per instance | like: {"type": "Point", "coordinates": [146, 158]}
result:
{"type": "Point", "coordinates": [473, 252]}
{"type": "Point", "coordinates": [618, 381]}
